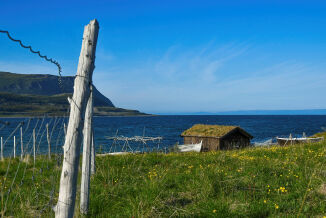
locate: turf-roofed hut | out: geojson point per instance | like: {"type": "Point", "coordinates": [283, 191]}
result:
{"type": "Point", "coordinates": [217, 137]}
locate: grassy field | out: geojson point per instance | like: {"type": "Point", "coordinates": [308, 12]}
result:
{"type": "Point", "coordinates": [255, 182]}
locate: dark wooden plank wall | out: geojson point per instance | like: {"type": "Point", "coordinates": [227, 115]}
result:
{"type": "Point", "coordinates": [209, 143]}
{"type": "Point", "coordinates": [234, 140]}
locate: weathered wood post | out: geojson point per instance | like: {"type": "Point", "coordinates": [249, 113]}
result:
{"type": "Point", "coordinates": [93, 169]}
{"type": "Point", "coordinates": [86, 168]}
{"type": "Point", "coordinates": [34, 146]}
{"type": "Point", "coordinates": [1, 148]}
{"type": "Point", "coordinates": [68, 181]}
{"type": "Point", "coordinates": [14, 146]}
{"type": "Point", "coordinates": [21, 144]}
{"type": "Point", "coordinates": [49, 141]}
{"type": "Point", "coordinates": [65, 129]}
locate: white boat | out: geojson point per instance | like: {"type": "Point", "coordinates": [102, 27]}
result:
{"type": "Point", "coordinates": [268, 142]}
{"type": "Point", "coordinates": [113, 153]}
{"type": "Point", "coordinates": [291, 141]}
{"type": "Point", "coordinates": [190, 147]}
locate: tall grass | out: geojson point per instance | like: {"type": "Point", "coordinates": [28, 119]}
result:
{"type": "Point", "coordinates": [253, 182]}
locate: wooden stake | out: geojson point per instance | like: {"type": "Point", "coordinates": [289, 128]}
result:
{"type": "Point", "coordinates": [34, 146]}
{"type": "Point", "coordinates": [93, 169]}
{"type": "Point", "coordinates": [14, 146]}
{"type": "Point", "coordinates": [49, 141]}
{"type": "Point", "coordinates": [1, 148]}
{"type": "Point", "coordinates": [68, 181]}
{"type": "Point", "coordinates": [21, 144]}
{"type": "Point", "coordinates": [65, 128]}
{"type": "Point", "coordinates": [86, 169]}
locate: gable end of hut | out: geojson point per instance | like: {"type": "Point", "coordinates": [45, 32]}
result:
{"type": "Point", "coordinates": [235, 137]}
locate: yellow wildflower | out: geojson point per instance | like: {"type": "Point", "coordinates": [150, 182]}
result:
{"type": "Point", "coordinates": [282, 189]}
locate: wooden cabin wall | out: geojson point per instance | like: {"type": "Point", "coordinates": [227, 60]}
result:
{"type": "Point", "coordinates": [234, 140]}
{"type": "Point", "coordinates": [209, 143]}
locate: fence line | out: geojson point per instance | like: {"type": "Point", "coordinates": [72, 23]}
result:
{"type": "Point", "coordinates": [36, 137]}
{"type": "Point", "coordinates": [43, 187]}
{"type": "Point", "coordinates": [38, 171]}
{"type": "Point", "coordinates": [83, 82]}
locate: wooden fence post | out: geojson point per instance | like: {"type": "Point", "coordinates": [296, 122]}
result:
{"type": "Point", "coordinates": [49, 141]}
{"type": "Point", "coordinates": [34, 146]}
{"type": "Point", "coordinates": [14, 146]}
{"type": "Point", "coordinates": [21, 144]}
{"type": "Point", "coordinates": [1, 148]}
{"type": "Point", "coordinates": [68, 181]}
{"type": "Point", "coordinates": [86, 168]}
{"type": "Point", "coordinates": [65, 129]}
{"type": "Point", "coordinates": [93, 169]}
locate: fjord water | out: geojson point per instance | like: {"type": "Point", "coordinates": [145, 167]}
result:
{"type": "Point", "coordinates": [170, 127]}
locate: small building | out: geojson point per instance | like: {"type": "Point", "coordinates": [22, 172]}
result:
{"type": "Point", "coordinates": [217, 137]}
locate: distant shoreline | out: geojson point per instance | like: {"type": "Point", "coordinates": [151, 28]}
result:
{"type": "Point", "coordinates": [156, 115]}
{"type": "Point", "coordinates": [40, 116]}
{"type": "Point", "coordinates": [255, 112]}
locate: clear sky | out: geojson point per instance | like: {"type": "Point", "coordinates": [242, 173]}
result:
{"type": "Point", "coordinates": [180, 55]}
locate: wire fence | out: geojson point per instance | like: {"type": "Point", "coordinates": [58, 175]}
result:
{"type": "Point", "coordinates": [27, 159]}
{"type": "Point", "coordinates": [32, 154]}
{"type": "Point", "coordinates": [29, 176]}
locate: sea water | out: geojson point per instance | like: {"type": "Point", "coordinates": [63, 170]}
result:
{"type": "Point", "coordinates": [262, 128]}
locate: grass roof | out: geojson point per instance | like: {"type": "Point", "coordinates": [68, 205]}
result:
{"type": "Point", "coordinates": [208, 130]}
{"type": "Point", "coordinates": [320, 134]}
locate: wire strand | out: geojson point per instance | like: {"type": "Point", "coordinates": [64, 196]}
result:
{"type": "Point", "coordinates": [39, 54]}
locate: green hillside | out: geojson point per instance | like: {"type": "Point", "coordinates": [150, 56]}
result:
{"type": "Point", "coordinates": [39, 94]}
{"type": "Point", "coordinates": [17, 105]}
{"type": "Point", "coordinates": [43, 84]}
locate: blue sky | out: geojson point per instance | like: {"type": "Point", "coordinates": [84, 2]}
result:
{"type": "Point", "coordinates": [181, 56]}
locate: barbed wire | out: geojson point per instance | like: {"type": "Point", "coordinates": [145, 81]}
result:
{"type": "Point", "coordinates": [49, 60]}
{"type": "Point", "coordinates": [39, 54]}
{"type": "Point", "coordinates": [39, 131]}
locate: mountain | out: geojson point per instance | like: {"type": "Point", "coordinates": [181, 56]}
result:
{"type": "Point", "coordinates": [44, 84]}
{"type": "Point", "coordinates": [39, 94]}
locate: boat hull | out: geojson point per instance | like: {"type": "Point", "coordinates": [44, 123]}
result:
{"type": "Point", "coordinates": [190, 147]}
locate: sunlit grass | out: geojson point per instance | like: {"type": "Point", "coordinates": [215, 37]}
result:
{"type": "Point", "coordinates": [253, 182]}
